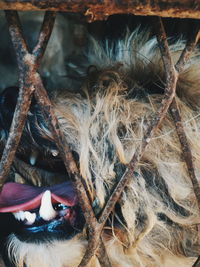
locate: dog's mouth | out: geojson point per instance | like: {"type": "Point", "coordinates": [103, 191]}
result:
{"type": "Point", "coordinates": [39, 200]}
{"type": "Point", "coordinates": [47, 211]}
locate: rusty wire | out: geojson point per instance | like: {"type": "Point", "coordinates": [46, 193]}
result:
{"type": "Point", "coordinates": [30, 82]}
{"type": "Point", "coordinates": [28, 64]}
{"type": "Point", "coordinates": [190, 45]}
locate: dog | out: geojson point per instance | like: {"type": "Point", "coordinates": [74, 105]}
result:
{"type": "Point", "coordinates": [156, 221]}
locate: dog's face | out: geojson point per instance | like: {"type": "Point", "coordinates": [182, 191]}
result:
{"type": "Point", "coordinates": [104, 124]}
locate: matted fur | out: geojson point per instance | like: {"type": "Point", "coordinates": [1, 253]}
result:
{"type": "Point", "coordinates": [105, 124]}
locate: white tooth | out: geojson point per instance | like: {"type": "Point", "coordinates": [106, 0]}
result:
{"type": "Point", "coordinates": [54, 153]}
{"type": "Point", "coordinates": [47, 211]}
{"type": "Point", "coordinates": [19, 215]}
{"type": "Point", "coordinates": [33, 157]}
{"type": "Point", "coordinates": [16, 215]}
{"type": "Point", "coordinates": [30, 217]}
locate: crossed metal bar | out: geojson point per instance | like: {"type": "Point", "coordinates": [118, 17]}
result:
{"type": "Point", "coordinates": [30, 83]}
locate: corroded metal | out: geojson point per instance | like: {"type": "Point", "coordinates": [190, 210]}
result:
{"type": "Point", "coordinates": [171, 80]}
{"type": "Point", "coordinates": [30, 82]}
{"type": "Point", "coordinates": [98, 10]}
{"type": "Point", "coordinates": [27, 65]}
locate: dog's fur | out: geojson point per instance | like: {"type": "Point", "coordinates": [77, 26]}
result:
{"type": "Point", "coordinates": [157, 220]}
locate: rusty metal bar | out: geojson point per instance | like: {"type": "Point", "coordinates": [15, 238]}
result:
{"type": "Point", "coordinates": [190, 45]}
{"type": "Point", "coordinates": [27, 67]}
{"type": "Point", "coordinates": [98, 10]}
{"type": "Point", "coordinates": [24, 99]}
{"type": "Point", "coordinates": [187, 154]}
{"type": "Point", "coordinates": [102, 255]}
{"type": "Point", "coordinates": [171, 79]}
{"type": "Point", "coordinates": [32, 78]}
{"type": "Point", "coordinates": [94, 229]}
{"type": "Point", "coordinates": [45, 33]}
{"type": "Point", "coordinates": [42, 98]}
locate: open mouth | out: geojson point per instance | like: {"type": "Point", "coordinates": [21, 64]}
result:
{"type": "Point", "coordinates": [42, 212]}
{"type": "Point", "coordinates": [39, 200]}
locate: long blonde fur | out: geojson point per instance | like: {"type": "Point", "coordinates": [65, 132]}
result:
{"type": "Point", "coordinates": [105, 125]}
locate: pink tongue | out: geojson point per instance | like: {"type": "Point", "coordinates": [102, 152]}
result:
{"type": "Point", "coordinates": [15, 197]}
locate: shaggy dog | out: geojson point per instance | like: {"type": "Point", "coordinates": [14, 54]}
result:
{"type": "Point", "coordinates": [156, 221]}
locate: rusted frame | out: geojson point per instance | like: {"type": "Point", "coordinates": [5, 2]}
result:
{"type": "Point", "coordinates": [191, 43]}
{"type": "Point", "coordinates": [30, 82]}
{"type": "Point", "coordinates": [170, 89]}
{"type": "Point", "coordinates": [174, 110]}
{"type": "Point", "coordinates": [98, 10]}
{"type": "Point", "coordinates": [28, 64]}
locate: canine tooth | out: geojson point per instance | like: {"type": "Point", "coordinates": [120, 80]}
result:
{"type": "Point", "coordinates": [33, 157]}
{"type": "Point", "coordinates": [30, 217]}
{"type": "Point", "coordinates": [54, 153]}
{"type": "Point", "coordinates": [47, 211]}
{"type": "Point", "coordinates": [16, 215]}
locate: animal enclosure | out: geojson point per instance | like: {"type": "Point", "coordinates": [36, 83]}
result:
{"type": "Point", "coordinates": [31, 85]}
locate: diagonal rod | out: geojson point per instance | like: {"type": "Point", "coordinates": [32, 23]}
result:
{"type": "Point", "coordinates": [42, 98]}
{"type": "Point", "coordinates": [190, 45]}
{"type": "Point", "coordinates": [169, 94]}
{"type": "Point", "coordinates": [92, 225]}
{"type": "Point", "coordinates": [26, 66]}
{"type": "Point", "coordinates": [24, 98]}
{"type": "Point", "coordinates": [45, 34]}
{"type": "Point", "coordinates": [187, 154]}
{"type": "Point", "coordinates": [175, 113]}
{"type": "Point", "coordinates": [171, 79]}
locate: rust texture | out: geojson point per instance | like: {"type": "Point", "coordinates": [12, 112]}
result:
{"type": "Point", "coordinates": [24, 99]}
{"type": "Point", "coordinates": [187, 154]}
{"type": "Point", "coordinates": [30, 83]}
{"type": "Point", "coordinates": [190, 45]}
{"type": "Point", "coordinates": [98, 10]}
{"type": "Point", "coordinates": [194, 37]}
{"type": "Point", "coordinates": [27, 67]}
{"type": "Point", "coordinates": [31, 62]}
{"type": "Point", "coordinates": [171, 79]}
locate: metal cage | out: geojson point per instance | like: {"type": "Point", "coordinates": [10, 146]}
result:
{"type": "Point", "coordinates": [31, 84]}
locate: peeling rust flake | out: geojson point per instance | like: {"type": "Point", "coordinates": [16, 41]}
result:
{"type": "Point", "coordinates": [99, 10]}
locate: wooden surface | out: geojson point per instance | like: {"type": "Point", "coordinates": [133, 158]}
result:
{"type": "Point", "coordinates": [100, 9]}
